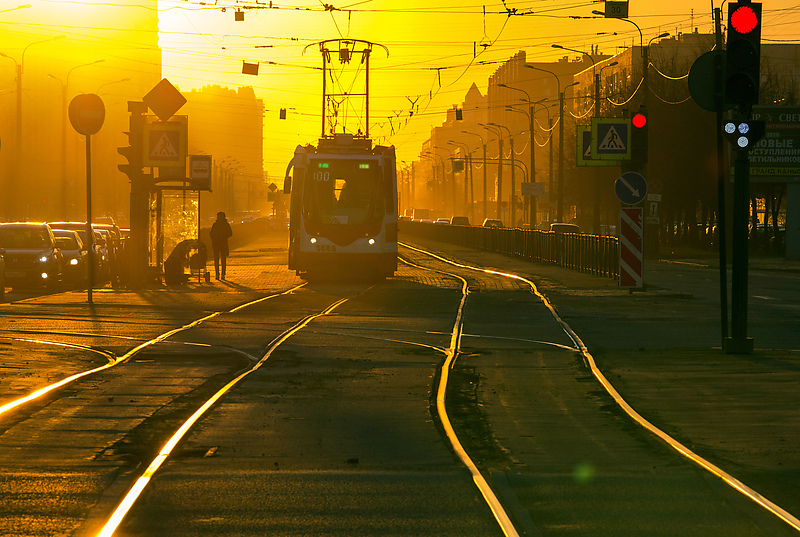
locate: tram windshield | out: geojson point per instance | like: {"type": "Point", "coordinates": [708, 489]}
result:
{"type": "Point", "coordinates": [342, 191]}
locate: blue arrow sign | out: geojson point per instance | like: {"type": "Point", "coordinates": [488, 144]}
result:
{"type": "Point", "coordinates": [630, 188]}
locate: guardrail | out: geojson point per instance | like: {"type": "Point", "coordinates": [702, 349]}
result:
{"type": "Point", "coordinates": [595, 254]}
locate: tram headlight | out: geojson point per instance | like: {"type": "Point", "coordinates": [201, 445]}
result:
{"type": "Point", "coordinates": [371, 241]}
{"type": "Point", "coordinates": [313, 240]}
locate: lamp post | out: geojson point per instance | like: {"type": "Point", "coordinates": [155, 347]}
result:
{"type": "Point", "coordinates": [499, 199]}
{"type": "Point", "coordinates": [531, 127]}
{"type": "Point", "coordinates": [512, 205]}
{"type": "Point", "coordinates": [109, 83]}
{"type": "Point", "coordinates": [483, 143]}
{"type": "Point", "coordinates": [560, 138]}
{"type": "Point", "coordinates": [10, 194]}
{"type": "Point", "coordinates": [66, 188]}
{"type": "Point", "coordinates": [433, 156]}
{"type": "Point", "coordinates": [468, 183]}
{"type": "Point", "coordinates": [452, 177]}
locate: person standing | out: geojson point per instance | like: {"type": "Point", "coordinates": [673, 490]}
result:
{"type": "Point", "coordinates": [220, 233]}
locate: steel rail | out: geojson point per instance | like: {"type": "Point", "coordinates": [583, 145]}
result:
{"type": "Point", "coordinates": [121, 359]}
{"type": "Point", "coordinates": [687, 453]}
{"type": "Point", "coordinates": [133, 494]}
{"type": "Point", "coordinates": [451, 354]}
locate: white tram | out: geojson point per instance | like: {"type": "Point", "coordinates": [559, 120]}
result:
{"type": "Point", "coordinates": [343, 211]}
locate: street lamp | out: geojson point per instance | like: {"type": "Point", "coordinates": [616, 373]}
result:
{"type": "Point", "coordinates": [468, 182]}
{"type": "Point", "coordinates": [444, 178]}
{"type": "Point", "coordinates": [530, 114]}
{"type": "Point", "coordinates": [433, 156]}
{"type": "Point", "coordinates": [499, 191]}
{"type": "Point", "coordinates": [560, 138]}
{"type": "Point", "coordinates": [11, 188]}
{"type": "Point", "coordinates": [512, 205]}
{"type": "Point", "coordinates": [66, 189]}
{"type": "Point", "coordinates": [483, 143]}
{"type": "Point", "coordinates": [109, 83]}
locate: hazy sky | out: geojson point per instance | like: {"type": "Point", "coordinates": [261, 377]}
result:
{"type": "Point", "coordinates": [431, 46]}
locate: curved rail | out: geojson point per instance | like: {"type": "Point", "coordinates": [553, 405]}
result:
{"type": "Point", "coordinates": [451, 352]}
{"type": "Point", "coordinates": [127, 503]}
{"type": "Point", "coordinates": [727, 478]}
{"type": "Point", "coordinates": [47, 389]}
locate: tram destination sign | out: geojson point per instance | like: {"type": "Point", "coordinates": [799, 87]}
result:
{"type": "Point", "coordinates": [776, 158]}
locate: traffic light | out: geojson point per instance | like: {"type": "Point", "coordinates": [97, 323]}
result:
{"type": "Point", "coordinates": [743, 54]}
{"type": "Point", "coordinates": [134, 152]}
{"type": "Point", "coordinates": [639, 138]}
{"type": "Point", "coordinates": [744, 134]}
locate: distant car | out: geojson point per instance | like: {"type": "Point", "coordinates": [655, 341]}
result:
{"type": "Point", "coordinates": [558, 227]}
{"type": "Point", "coordinates": [76, 257]}
{"type": "Point", "coordinates": [426, 221]}
{"type": "Point", "coordinates": [442, 221]}
{"type": "Point", "coordinates": [32, 258]}
{"type": "Point", "coordinates": [492, 222]}
{"type": "Point", "coordinates": [459, 221]}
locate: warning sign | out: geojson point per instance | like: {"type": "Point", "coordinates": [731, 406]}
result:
{"type": "Point", "coordinates": [584, 157]}
{"type": "Point", "coordinates": [165, 144]}
{"type": "Point", "coordinates": [165, 147]}
{"type": "Point", "coordinates": [610, 138]}
{"type": "Point", "coordinates": [611, 141]}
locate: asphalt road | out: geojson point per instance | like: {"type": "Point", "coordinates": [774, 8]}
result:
{"type": "Point", "coordinates": [337, 433]}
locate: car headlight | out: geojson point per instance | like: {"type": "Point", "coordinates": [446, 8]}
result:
{"type": "Point", "coordinates": [371, 241]}
{"type": "Point", "coordinates": [44, 259]}
{"type": "Point", "coordinates": [313, 240]}
{"type": "Point", "coordinates": [73, 262]}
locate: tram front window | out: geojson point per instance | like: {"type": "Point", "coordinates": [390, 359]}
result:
{"type": "Point", "coordinates": [342, 192]}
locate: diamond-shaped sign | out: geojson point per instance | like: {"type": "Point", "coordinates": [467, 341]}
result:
{"type": "Point", "coordinates": [164, 99]}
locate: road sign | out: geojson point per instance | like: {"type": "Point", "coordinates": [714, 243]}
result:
{"type": "Point", "coordinates": [532, 189]}
{"type": "Point", "coordinates": [164, 99]}
{"type": "Point", "coordinates": [87, 113]}
{"type": "Point", "coordinates": [165, 144]}
{"type": "Point", "coordinates": [630, 247]}
{"type": "Point", "coordinates": [611, 138]}
{"type": "Point", "coordinates": [616, 10]}
{"type": "Point", "coordinates": [584, 157]}
{"type": "Point", "coordinates": [630, 188]}
{"type": "Point", "coordinates": [774, 159]}
{"type": "Point", "coordinates": [200, 171]}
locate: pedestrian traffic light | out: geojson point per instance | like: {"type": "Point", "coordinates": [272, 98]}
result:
{"type": "Point", "coordinates": [744, 134]}
{"type": "Point", "coordinates": [743, 54]}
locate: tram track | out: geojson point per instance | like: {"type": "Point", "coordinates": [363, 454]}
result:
{"type": "Point", "coordinates": [589, 361]}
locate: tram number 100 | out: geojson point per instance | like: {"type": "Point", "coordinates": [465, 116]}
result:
{"type": "Point", "coordinates": [326, 247]}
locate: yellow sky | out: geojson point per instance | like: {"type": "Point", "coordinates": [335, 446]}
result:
{"type": "Point", "coordinates": [430, 42]}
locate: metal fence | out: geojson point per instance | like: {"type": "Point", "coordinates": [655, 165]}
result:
{"type": "Point", "coordinates": [595, 254]}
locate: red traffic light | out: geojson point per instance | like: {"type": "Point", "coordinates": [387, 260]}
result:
{"type": "Point", "coordinates": [639, 120]}
{"type": "Point", "coordinates": [744, 20]}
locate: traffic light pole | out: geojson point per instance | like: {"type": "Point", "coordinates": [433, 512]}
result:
{"type": "Point", "coordinates": [739, 343]}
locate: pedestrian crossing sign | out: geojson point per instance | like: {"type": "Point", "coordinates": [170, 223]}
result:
{"type": "Point", "coordinates": [585, 157]}
{"type": "Point", "coordinates": [611, 138]}
{"type": "Point", "coordinates": [165, 144]}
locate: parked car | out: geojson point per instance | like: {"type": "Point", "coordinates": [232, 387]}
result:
{"type": "Point", "coordinates": [442, 221]}
{"type": "Point", "coordinates": [32, 258]}
{"type": "Point", "coordinates": [560, 227]}
{"type": "Point", "coordinates": [76, 257]}
{"type": "Point", "coordinates": [492, 222]}
{"type": "Point", "coordinates": [101, 269]}
{"type": "Point", "coordinates": [2, 275]}
{"type": "Point", "coordinates": [459, 221]}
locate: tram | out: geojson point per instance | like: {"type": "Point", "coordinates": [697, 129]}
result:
{"type": "Point", "coordinates": [343, 208]}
